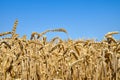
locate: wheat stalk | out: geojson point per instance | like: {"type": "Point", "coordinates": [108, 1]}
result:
{"type": "Point", "coordinates": [14, 27]}
{"type": "Point", "coordinates": [5, 33]}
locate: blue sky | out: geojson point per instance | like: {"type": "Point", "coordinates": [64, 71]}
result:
{"type": "Point", "coordinates": [81, 18]}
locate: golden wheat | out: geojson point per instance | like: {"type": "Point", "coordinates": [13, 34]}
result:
{"type": "Point", "coordinates": [57, 59]}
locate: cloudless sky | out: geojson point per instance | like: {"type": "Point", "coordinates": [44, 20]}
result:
{"type": "Point", "coordinates": [81, 18]}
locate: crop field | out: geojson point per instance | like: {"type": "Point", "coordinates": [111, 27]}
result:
{"type": "Point", "coordinates": [39, 59]}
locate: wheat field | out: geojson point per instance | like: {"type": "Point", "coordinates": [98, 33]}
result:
{"type": "Point", "coordinates": [39, 59]}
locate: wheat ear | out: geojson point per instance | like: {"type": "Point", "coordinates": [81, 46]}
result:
{"type": "Point", "coordinates": [14, 27]}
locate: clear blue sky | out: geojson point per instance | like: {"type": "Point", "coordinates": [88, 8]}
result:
{"type": "Point", "coordinates": [81, 18]}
